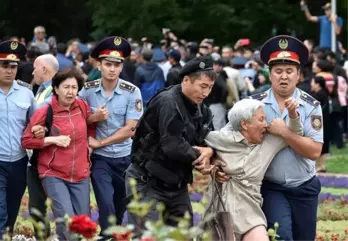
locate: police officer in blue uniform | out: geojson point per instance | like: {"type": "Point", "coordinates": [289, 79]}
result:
{"type": "Point", "coordinates": [121, 101]}
{"type": "Point", "coordinates": [17, 104]}
{"type": "Point", "coordinates": [290, 188]}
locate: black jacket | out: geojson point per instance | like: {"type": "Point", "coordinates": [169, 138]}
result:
{"type": "Point", "coordinates": [166, 133]}
{"type": "Point", "coordinates": [173, 76]}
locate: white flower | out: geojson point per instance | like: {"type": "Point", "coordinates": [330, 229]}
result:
{"type": "Point", "coordinates": [22, 238]}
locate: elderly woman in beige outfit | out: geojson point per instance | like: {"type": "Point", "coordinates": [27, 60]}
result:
{"type": "Point", "coordinates": [247, 146]}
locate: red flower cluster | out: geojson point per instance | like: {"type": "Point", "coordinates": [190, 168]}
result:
{"type": "Point", "coordinates": [83, 225]}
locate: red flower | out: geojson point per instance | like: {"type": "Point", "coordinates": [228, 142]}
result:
{"type": "Point", "coordinates": [123, 236]}
{"type": "Point", "coordinates": [83, 225]}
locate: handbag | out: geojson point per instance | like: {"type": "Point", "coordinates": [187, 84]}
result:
{"type": "Point", "coordinates": [219, 225]}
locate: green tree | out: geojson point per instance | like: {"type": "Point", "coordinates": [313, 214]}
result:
{"type": "Point", "coordinates": [134, 18]}
{"type": "Point", "coordinates": [223, 20]}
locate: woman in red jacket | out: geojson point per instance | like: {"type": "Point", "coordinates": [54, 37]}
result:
{"type": "Point", "coordinates": [63, 161]}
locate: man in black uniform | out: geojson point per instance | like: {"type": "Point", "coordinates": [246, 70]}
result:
{"type": "Point", "coordinates": [169, 142]}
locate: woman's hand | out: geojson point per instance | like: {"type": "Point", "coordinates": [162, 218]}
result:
{"type": "Point", "coordinates": [62, 141]}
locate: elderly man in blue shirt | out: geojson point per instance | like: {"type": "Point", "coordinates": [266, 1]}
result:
{"type": "Point", "coordinates": [17, 104]}
{"type": "Point", "coordinates": [290, 188]}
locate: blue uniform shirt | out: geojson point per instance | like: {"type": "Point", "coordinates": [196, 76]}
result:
{"type": "Point", "coordinates": [289, 168]}
{"type": "Point", "coordinates": [124, 103]}
{"type": "Point", "coordinates": [16, 107]}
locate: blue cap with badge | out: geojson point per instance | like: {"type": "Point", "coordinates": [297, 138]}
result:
{"type": "Point", "coordinates": [284, 49]}
{"type": "Point", "coordinates": [12, 52]}
{"type": "Point", "coordinates": [114, 49]}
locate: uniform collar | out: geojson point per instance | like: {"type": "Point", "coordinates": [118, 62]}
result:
{"type": "Point", "coordinates": [117, 90]}
{"type": "Point", "coordinates": [270, 99]}
{"type": "Point", "coordinates": [15, 86]}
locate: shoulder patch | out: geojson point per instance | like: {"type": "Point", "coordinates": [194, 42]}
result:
{"type": "Point", "coordinates": [92, 84]}
{"type": "Point", "coordinates": [259, 96]}
{"type": "Point", "coordinates": [316, 121]}
{"type": "Point", "coordinates": [128, 87]}
{"type": "Point", "coordinates": [308, 98]}
{"type": "Point", "coordinates": [25, 84]}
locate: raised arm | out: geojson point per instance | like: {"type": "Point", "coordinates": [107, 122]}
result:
{"type": "Point", "coordinates": [308, 15]}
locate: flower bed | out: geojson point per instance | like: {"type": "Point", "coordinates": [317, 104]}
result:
{"type": "Point", "coordinates": [332, 211]}
{"type": "Point", "coordinates": [334, 181]}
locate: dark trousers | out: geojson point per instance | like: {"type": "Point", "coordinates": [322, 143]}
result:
{"type": "Point", "coordinates": [37, 200]}
{"type": "Point", "coordinates": [295, 209]}
{"type": "Point", "coordinates": [12, 187]}
{"type": "Point", "coordinates": [177, 201]}
{"type": "Point", "coordinates": [336, 127]}
{"type": "Point", "coordinates": [109, 187]}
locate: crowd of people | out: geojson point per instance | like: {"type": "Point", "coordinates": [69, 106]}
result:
{"type": "Point", "coordinates": [121, 109]}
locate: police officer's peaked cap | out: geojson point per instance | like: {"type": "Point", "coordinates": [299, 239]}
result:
{"type": "Point", "coordinates": [199, 64]}
{"type": "Point", "coordinates": [114, 49]}
{"type": "Point", "coordinates": [284, 49]}
{"type": "Point", "coordinates": [12, 51]}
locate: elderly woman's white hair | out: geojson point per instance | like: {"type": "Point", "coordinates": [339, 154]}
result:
{"type": "Point", "coordinates": [243, 110]}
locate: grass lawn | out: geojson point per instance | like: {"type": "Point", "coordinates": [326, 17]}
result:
{"type": "Point", "coordinates": [338, 161]}
{"type": "Point", "coordinates": [335, 191]}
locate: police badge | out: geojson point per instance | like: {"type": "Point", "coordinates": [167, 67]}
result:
{"type": "Point", "coordinates": [316, 122]}
{"type": "Point", "coordinates": [138, 105]}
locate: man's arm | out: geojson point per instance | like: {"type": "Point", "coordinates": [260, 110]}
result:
{"type": "Point", "coordinates": [121, 135]}
{"type": "Point", "coordinates": [308, 15]}
{"type": "Point", "coordinates": [309, 145]}
{"type": "Point", "coordinates": [304, 146]}
{"type": "Point", "coordinates": [133, 114]}
{"type": "Point", "coordinates": [338, 22]}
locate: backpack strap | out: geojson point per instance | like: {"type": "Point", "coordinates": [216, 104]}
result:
{"type": "Point", "coordinates": [83, 107]}
{"type": "Point", "coordinates": [49, 120]}
{"type": "Point", "coordinates": [48, 124]}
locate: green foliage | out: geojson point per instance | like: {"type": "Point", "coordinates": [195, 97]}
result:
{"type": "Point", "coordinates": [224, 20]}
{"type": "Point", "coordinates": [158, 229]}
